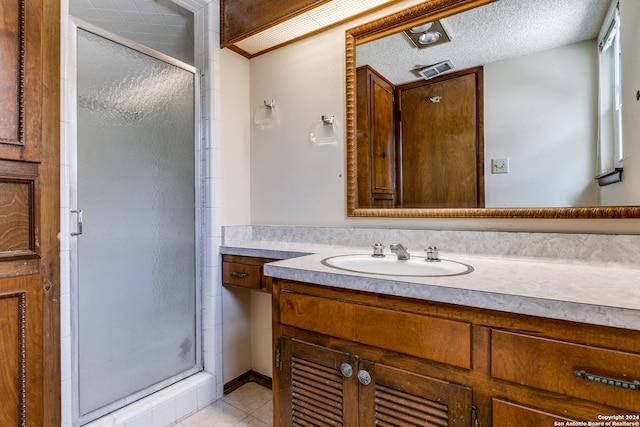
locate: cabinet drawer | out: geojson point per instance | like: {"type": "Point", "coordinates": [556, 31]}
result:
{"type": "Point", "coordinates": [510, 414]}
{"type": "Point", "coordinates": [608, 376]}
{"type": "Point", "coordinates": [441, 340]}
{"type": "Point", "coordinates": [248, 276]}
{"type": "Point", "coordinates": [246, 271]}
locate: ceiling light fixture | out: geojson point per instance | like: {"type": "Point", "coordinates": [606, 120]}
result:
{"type": "Point", "coordinates": [426, 35]}
{"type": "Point", "coordinates": [422, 28]}
{"type": "Point", "coordinates": [430, 37]}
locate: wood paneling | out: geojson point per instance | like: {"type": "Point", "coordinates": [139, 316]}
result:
{"type": "Point", "coordinates": [30, 213]}
{"type": "Point", "coordinates": [441, 340]}
{"type": "Point", "coordinates": [21, 84]}
{"type": "Point", "coordinates": [16, 207]}
{"type": "Point", "coordinates": [241, 18]}
{"type": "Point", "coordinates": [11, 94]}
{"type": "Point", "coordinates": [318, 315]}
{"type": "Point", "coordinates": [12, 368]}
{"type": "Point", "coordinates": [21, 352]}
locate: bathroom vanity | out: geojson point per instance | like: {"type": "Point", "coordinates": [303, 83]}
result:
{"type": "Point", "coordinates": [507, 344]}
{"type": "Point", "coordinates": [358, 358]}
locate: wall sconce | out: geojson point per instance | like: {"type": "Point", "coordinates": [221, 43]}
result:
{"type": "Point", "coordinates": [265, 114]}
{"type": "Point", "coordinates": [323, 131]}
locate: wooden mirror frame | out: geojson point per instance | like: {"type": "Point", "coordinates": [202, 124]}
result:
{"type": "Point", "coordinates": [435, 9]}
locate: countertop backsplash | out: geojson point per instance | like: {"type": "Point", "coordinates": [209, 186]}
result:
{"type": "Point", "coordinates": [592, 249]}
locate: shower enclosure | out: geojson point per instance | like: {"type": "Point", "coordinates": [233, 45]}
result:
{"type": "Point", "coordinates": [135, 253]}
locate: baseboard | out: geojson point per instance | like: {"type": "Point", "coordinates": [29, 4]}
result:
{"type": "Point", "coordinates": [247, 377]}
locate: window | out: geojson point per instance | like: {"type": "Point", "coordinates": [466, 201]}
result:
{"type": "Point", "coordinates": [610, 148]}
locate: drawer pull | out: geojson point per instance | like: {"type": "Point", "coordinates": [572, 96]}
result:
{"type": "Point", "coordinates": [238, 275]}
{"type": "Point", "coordinates": [629, 385]}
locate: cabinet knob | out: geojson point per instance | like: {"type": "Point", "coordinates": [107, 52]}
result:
{"type": "Point", "coordinates": [364, 377]}
{"type": "Point", "coordinates": [346, 370]}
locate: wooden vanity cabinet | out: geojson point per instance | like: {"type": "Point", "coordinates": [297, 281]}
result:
{"type": "Point", "coordinates": [340, 362]}
{"type": "Point", "coordinates": [426, 363]}
{"type": "Point", "coordinates": [246, 272]}
{"type": "Point", "coordinates": [322, 386]}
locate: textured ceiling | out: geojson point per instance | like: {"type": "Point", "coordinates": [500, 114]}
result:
{"type": "Point", "coordinates": [159, 24]}
{"type": "Point", "coordinates": [497, 31]}
{"type": "Point", "coordinates": [504, 29]}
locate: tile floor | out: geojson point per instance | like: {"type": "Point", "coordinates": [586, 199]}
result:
{"type": "Point", "coordinates": [249, 406]}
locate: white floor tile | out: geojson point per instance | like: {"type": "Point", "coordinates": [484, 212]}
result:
{"type": "Point", "coordinates": [249, 406]}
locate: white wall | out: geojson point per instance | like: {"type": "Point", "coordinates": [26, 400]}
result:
{"type": "Point", "coordinates": [294, 182]}
{"type": "Point", "coordinates": [235, 164]}
{"type": "Point", "coordinates": [540, 113]}
{"type": "Point", "coordinates": [236, 205]}
{"type": "Point", "coordinates": [278, 177]}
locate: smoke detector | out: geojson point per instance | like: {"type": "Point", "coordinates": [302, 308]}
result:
{"type": "Point", "coordinates": [436, 69]}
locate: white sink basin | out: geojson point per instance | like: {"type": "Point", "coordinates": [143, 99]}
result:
{"type": "Point", "coordinates": [390, 265]}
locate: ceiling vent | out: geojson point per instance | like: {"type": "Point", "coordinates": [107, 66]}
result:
{"type": "Point", "coordinates": [436, 69]}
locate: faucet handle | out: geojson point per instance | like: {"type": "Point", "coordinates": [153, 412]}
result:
{"type": "Point", "coordinates": [378, 250]}
{"type": "Point", "coordinates": [433, 254]}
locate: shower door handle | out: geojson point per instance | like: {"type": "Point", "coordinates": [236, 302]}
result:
{"type": "Point", "coordinates": [78, 213]}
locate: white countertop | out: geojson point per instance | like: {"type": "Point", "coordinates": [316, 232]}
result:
{"type": "Point", "coordinates": [602, 295]}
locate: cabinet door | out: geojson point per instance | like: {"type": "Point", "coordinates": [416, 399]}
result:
{"type": "Point", "coordinates": [441, 142]}
{"type": "Point", "coordinates": [324, 387]}
{"type": "Point", "coordinates": [383, 138]}
{"type": "Point", "coordinates": [313, 389]}
{"type": "Point", "coordinates": [401, 398]}
{"type": "Point", "coordinates": [375, 140]}
{"type": "Point", "coordinates": [29, 213]}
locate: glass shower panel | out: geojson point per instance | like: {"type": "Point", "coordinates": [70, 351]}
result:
{"type": "Point", "coordinates": [136, 259]}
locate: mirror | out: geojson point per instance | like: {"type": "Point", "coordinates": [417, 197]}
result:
{"type": "Point", "coordinates": [540, 134]}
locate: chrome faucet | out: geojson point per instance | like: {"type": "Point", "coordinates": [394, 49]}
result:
{"type": "Point", "coordinates": [401, 251]}
{"type": "Point", "coordinates": [378, 250]}
{"type": "Point", "coordinates": [433, 254]}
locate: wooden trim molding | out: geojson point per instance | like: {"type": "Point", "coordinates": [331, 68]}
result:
{"type": "Point", "coordinates": [21, 91]}
{"type": "Point", "coordinates": [435, 9]}
{"type": "Point", "coordinates": [12, 131]}
{"type": "Point", "coordinates": [247, 377]}
{"type": "Point", "coordinates": [14, 319]}
{"type": "Point", "coordinates": [18, 210]}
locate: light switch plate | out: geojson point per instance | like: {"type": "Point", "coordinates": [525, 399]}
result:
{"type": "Point", "coordinates": [499, 165]}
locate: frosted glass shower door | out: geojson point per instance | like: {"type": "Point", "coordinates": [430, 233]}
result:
{"type": "Point", "coordinates": [136, 257]}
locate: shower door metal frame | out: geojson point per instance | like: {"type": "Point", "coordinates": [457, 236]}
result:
{"type": "Point", "coordinates": [76, 24]}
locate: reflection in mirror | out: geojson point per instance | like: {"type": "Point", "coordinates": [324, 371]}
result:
{"type": "Point", "coordinates": [502, 116]}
